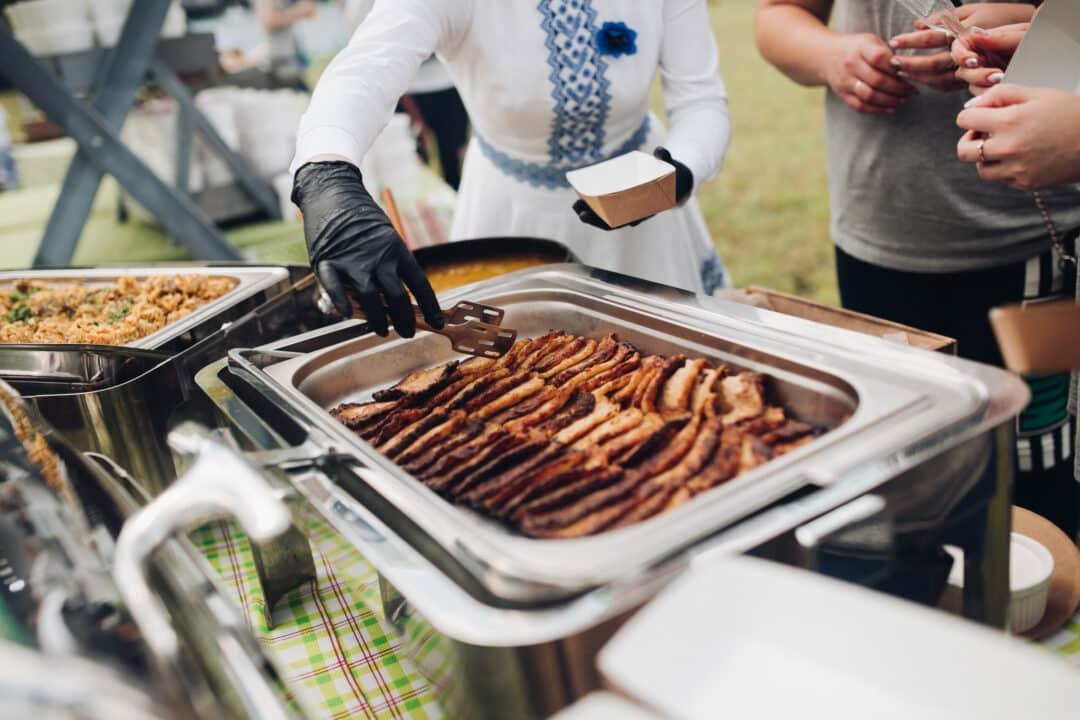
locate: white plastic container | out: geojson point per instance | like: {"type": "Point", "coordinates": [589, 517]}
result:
{"type": "Point", "coordinates": [745, 638]}
{"type": "Point", "coordinates": [51, 27]}
{"type": "Point", "coordinates": [1030, 568]}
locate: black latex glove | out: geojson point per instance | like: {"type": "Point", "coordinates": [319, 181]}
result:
{"type": "Point", "coordinates": [354, 249]}
{"type": "Point", "coordinates": [684, 185]}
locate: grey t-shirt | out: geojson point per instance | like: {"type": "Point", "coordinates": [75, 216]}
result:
{"type": "Point", "coordinates": [900, 197]}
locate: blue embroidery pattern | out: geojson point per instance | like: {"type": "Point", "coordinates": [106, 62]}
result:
{"type": "Point", "coordinates": [713, 274]}
{"type": "Point", "coordinates": [616, 39]}
{"type": "Point", "coordinates": [551, 176]}
{"type": "Point", "coordinates": [579, 86]}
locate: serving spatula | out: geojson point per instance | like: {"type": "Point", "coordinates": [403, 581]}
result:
{"type": "Point", "coordinates": [470, 336]}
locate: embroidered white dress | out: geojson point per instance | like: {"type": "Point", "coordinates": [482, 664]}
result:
{"type": "Point", "coordinates": [545, 96]}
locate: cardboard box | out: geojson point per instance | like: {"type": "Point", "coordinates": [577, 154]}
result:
{"type": "Point", "coordinates": [1049, 57]}
{"type": "Point", "coordinates": [627, 188]}
{"type": "Point", "coordinates": [1039, 338]}
{"type": "Point", "coordinates": [845, 319]}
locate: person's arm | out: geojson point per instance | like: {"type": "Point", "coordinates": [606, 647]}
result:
{"type": "Point", "coordinates": [1027, 138]}
{"type": "Point", "coordinates": [352, 245]}
{"type": "Point", "coordinates": [699, 125]}
{"type": "Point", "coordinates": [358, 92]}
{"type": "Point", "coordinates": [794, 36]}
{"type": "Point", "coordinates": [273, 18]}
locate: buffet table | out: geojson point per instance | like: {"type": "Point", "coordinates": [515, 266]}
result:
{"type": "Point", "coordinates": [336, 653]}
{"type": "Point", "coordinates": [400, 604]}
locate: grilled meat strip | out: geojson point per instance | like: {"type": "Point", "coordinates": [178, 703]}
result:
{"type": "Point", "coordinates": [565, 436]}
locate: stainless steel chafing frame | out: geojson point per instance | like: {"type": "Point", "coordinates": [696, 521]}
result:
{"type": "Point", "coordinates": [944, 403]}
{"type": "Point", "coordinates": [250, 280]}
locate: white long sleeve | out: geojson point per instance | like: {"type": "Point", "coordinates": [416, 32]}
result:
{"type": "Point", "coordinates": [360, 89]}
{"type": "Point", "coordinates": [699, 129]}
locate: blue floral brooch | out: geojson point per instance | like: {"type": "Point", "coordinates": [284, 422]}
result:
{"type": "Point", "coordinates": [616, 39]}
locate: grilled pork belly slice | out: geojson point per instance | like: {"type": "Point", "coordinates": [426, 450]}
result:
{"type": "Point", "coordinates": [604, 352]}
{"type": "Point", "coordinates": [418, 465]}
{"type": "Point", "coordinates": [419, 383]}
{"type": "Point", "coordinates": [437, 434]}
{"type": "Point", "coordinates": [356, 415]}
{"type": "Point", "coordinates": [648, 396]}
{"type": "Point", "coordinates": [511, 397]}
{"type": "Point", "coordinates": [603, 409]}
{"type": "Point", "coordinates": [566, 436]}
{"type": "Point", "coordinates": [675, 395]}
{"type": "Point", "coordinates": [539, 480]}
{"type": "Point", "coordinates": [403, 439]}
{"type": "Point", "coordinates": [743, 397]}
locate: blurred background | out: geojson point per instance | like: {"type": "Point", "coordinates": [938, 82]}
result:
{"type": "Point", "coordinates": [768, 211]}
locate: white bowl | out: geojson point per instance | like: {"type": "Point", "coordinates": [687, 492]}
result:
{"type": "Point", "coordinates": [1030, 567]}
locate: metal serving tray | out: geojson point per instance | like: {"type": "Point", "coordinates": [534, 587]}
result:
{"type": "Point", "coordinates": [250, 281]}
{"type": "Point", "coordinates": [905, 407]}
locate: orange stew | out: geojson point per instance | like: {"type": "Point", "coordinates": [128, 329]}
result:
{"type": "Point", "coordinates": [452, 275]}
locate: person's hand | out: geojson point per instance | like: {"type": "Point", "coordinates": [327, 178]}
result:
{"type": "Point", "coordinates": [861, 73]}
{"type": "Point", "coordinates": [1025, 138]}
{"type": "Point", "coordinates": [304, 9]}
{"type": "Point", "coordinates": [684, 186]}
{"type": "Point", "coordinates": [354, 248]}
{"type": "Point", "coordinates": [932, 69]}
{"type": "Point", "coordinates": [938, 69]}
{"type": "Point", "coordinates": [1001, 42]}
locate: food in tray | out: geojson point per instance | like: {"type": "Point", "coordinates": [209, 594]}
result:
{"type": "Point", "coordinates": [102, 313]}
{"type": "Point", "coordinates": [36, 446]}
{"type": "Point", "coordinates": [567, 436]}
{"type": "Point", "coordinates": [455, 274]}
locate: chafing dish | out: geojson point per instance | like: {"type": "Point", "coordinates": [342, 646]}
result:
{"type": "Point", "coordinates": [122, 402]}
{"type": "Point", "coordinates": [520, 619]}
{"type": "Point", "coordinates": [250, 283]}
{"type": "Point", "coordinates": [192, 651]}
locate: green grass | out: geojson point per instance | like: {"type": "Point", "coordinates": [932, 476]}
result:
{"type": "Point", "coordinates": [768, 211]}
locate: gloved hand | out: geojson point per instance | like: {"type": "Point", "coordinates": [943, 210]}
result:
{"type": "Point", "coordinates": [684, 185]}
{"type": "Point", "coordinates": [353, 247]}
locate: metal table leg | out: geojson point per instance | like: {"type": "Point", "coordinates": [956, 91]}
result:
{"type": "Point", "coordinates": [108, 154]}
{"type": "Point", "coordinates": [986, 565]}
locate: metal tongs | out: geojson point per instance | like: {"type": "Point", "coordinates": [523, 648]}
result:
{"type": "Point", "coordinates": [941, 15]}
{"type": "Point", "coordinates": [473, 329]}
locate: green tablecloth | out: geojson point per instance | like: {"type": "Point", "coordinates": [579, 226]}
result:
{"type": "Point", "coordinates": [336, 655]}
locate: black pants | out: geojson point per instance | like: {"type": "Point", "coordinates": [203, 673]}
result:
{"type": "Point", "coordinates": [957, 305]}
{"type": "Point", "coordinates": [445, 114]}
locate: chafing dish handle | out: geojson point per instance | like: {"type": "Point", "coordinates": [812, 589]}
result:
{"type": "Point", "coordinates": [219, 484]}
{"type": "Point", "coordinates": [846, 518]}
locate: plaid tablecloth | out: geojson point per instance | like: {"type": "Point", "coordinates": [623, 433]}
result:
{"type": "Point", "coordinates": [1066, 642]}
{"type": "Point", "coordinates": [339, 659]}
{"type": "Point", "coordinates": [336, 655]}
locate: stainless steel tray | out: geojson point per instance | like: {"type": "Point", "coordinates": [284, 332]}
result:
{"type": "Point", "coordinates": [906, 406]}
{"type": "Point", "coordinates": [250, 281]}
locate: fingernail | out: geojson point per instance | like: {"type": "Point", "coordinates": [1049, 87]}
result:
{"type": "Point", "coordinates": [895, 62]}
{"type": "Point", "coordinates": [971, 102]}
{"type": "Point", "coordinates": [971, 63]}
{"type": "Point", "coordinates": [978, 30]}
{"type": "Point", "coordinates": [894, 44]}
{"type": "Point", "coordinates": [996, 78]}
